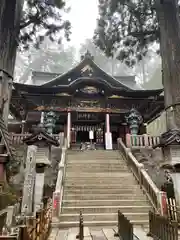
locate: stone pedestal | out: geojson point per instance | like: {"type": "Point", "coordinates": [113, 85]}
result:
{"type": "Point", "coordinates": [39, 186]}
{"type": "Point", "coordinates": [30, 173]}
{"type": "Point", "coordinates": [108, 134]}
{"type": "Point", "coordinates": [108, 141]}
{"type": "Point", "coordinates": [170, 143]}
{"type": "Point", "coordinates": [68, 129]}
{"type": "Point", "coordinates": [42, 162]}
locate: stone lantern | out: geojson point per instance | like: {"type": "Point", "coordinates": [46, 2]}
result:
{"type": "Point", "coordinates": [38, 158]}
{"type": "Point", "coordinates": [134, 120]}
{"type": "Point", "coordinates": [50, 121]}
{"type": "Point", "coordinates": [170, 144]}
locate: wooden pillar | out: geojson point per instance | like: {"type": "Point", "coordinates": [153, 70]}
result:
{"type": "Point", "coordinates": [42, 118]}
{"type": "Point", "coordinates": [23, 126]}
{"type": "Point", "coordinates": [107, 123]}
{"type": "Point", "coordinates": [68, 129]}
{"type": "Point", "coordinates": [108, 134]}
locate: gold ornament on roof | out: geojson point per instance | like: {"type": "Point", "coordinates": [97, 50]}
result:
{"type": "Point", "coordinates": [87, 68]}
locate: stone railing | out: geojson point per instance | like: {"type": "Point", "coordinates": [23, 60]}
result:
{"type": "Point", "coordinates": [58, 194]}
{"type": "Point", "coordinates": [18, 138]}
{"type": "Point", "coordinates": [155, 196]}
{"type": "Point", "coordinates": [141, 141]}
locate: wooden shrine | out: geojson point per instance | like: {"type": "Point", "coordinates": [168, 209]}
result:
{"type": "Point", "coordinates": [84, 98]}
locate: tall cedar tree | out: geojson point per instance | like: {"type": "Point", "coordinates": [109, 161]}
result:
{"type": "Point", "coordinates": [17, 26]}
{"type": "Point", "coordinates": [127, 28]}
{"type": "Point", "coordinates": [39, 18]}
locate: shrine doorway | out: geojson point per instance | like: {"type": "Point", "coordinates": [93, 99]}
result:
{"type": "Point", "coordinates": [80, 133]}
{"type": "Point", "coordinates": [82, 136]}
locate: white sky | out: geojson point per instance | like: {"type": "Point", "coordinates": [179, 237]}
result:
{"type": "Point", "coordinates": [83, 15]}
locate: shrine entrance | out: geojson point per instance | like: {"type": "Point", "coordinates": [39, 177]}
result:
{"type": "Point", "coordinates": [82, 136]}
{"type": "Point", "coordinates": [80, 133]}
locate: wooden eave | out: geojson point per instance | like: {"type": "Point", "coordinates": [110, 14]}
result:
{"type": "Point", "coordinates": [70, 89]}
{"type": "Point", "coordinates": [41, 136]}
{"type": "Point", "coordinates": [76, 72]}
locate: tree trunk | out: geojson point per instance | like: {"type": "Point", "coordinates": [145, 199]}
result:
{"type": "Point", "coordinates": [168, 15]}
{"type": "Point", "coordinates": [10, 16]}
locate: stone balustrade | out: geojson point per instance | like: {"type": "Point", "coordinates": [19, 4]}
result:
{"type": "Point", "coordinates": [141, 141]}
{"type": "Point", "coordinates": [155, 196]}
{"type": "Point", "coordinates": [58, 194]}
{"type": "Point", "coordinates": [18, 138]}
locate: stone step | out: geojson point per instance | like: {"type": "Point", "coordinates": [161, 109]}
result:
{"type": "Point", "coordinates": [115, 196]}
{"type": "Point", "coordinates": [105, 202]}
{"type": "Point", "coordinates": [105, 209]}
{"type": "Point", "coordinates": [100, 181]}
{"type": "Point", "coordinates": [97, 164]}
{"type": "Point", "coordinates": [89, 176]}
{"type": "Point", "coordinates": [107, 186]}
{"type": "Point", "coordinates": [94, 156]}
{"type": "Point", "coordinates": [71, 224]}
{"type": "Point", "coordinates": [91, 170]}
{"type": "Point", "coordinates": [103, 217]}
{"type": "Point", "coordinates": [101, 191]}
{"type": "Point", "coordinates": [94, 160]}
{"type": "Point", "coordinates": [99, 184]}
{"type": "Point", "coordinates": [105, 168]}
{"type": "Point", "coordinates": [96, 153]}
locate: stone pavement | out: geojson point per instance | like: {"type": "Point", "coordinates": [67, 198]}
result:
{"type": "Point", "coordinates": [94, 233]}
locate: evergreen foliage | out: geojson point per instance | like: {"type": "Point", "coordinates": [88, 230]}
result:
{"type": "Point", "coordinates": [40, 19]}
{"type": "Point", "coordinates": [126, 28]}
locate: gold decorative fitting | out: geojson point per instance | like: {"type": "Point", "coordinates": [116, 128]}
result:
{"type": "Point", "coordinates": [115, 96]}
{"type": "Point", "coordinates": [87, 68]}
{"type": "Point", "coordinates": [39, 137]}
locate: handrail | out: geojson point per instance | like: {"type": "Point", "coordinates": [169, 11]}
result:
{"type": "Point", "coordinates": [80, 235]}
{"type": "Point", "coordinates": [58, 194]}
{"type": "Point", "coordinates": [161, 227]}
{"type": "Point", "coordinates": [125, 228]}
{"type": "Point", "coordinates": [146, 183]}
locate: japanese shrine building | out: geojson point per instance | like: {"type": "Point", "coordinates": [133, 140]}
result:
{"type": "Point", "coordinates": [84, 98]}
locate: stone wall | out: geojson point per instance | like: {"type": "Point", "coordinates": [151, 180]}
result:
{"type": "Point", "coordinates": [152, 160]}
{"type": "Point", "coordinates": [18, 179]}
{"type": "Point", "coordinates": [50, 172]}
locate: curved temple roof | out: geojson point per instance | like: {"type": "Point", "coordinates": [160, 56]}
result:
{"type": "Point", "coordinates": [88, 73]}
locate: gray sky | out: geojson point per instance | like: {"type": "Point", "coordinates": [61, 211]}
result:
{"type": "Point", "coordinates": [83, 17]}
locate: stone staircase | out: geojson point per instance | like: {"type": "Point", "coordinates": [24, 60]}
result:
{"type": "Point", "coordinates": [98, 183]}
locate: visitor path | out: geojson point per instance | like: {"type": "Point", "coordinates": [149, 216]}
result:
{"type": "Point", "coordinates": [94, 233]}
